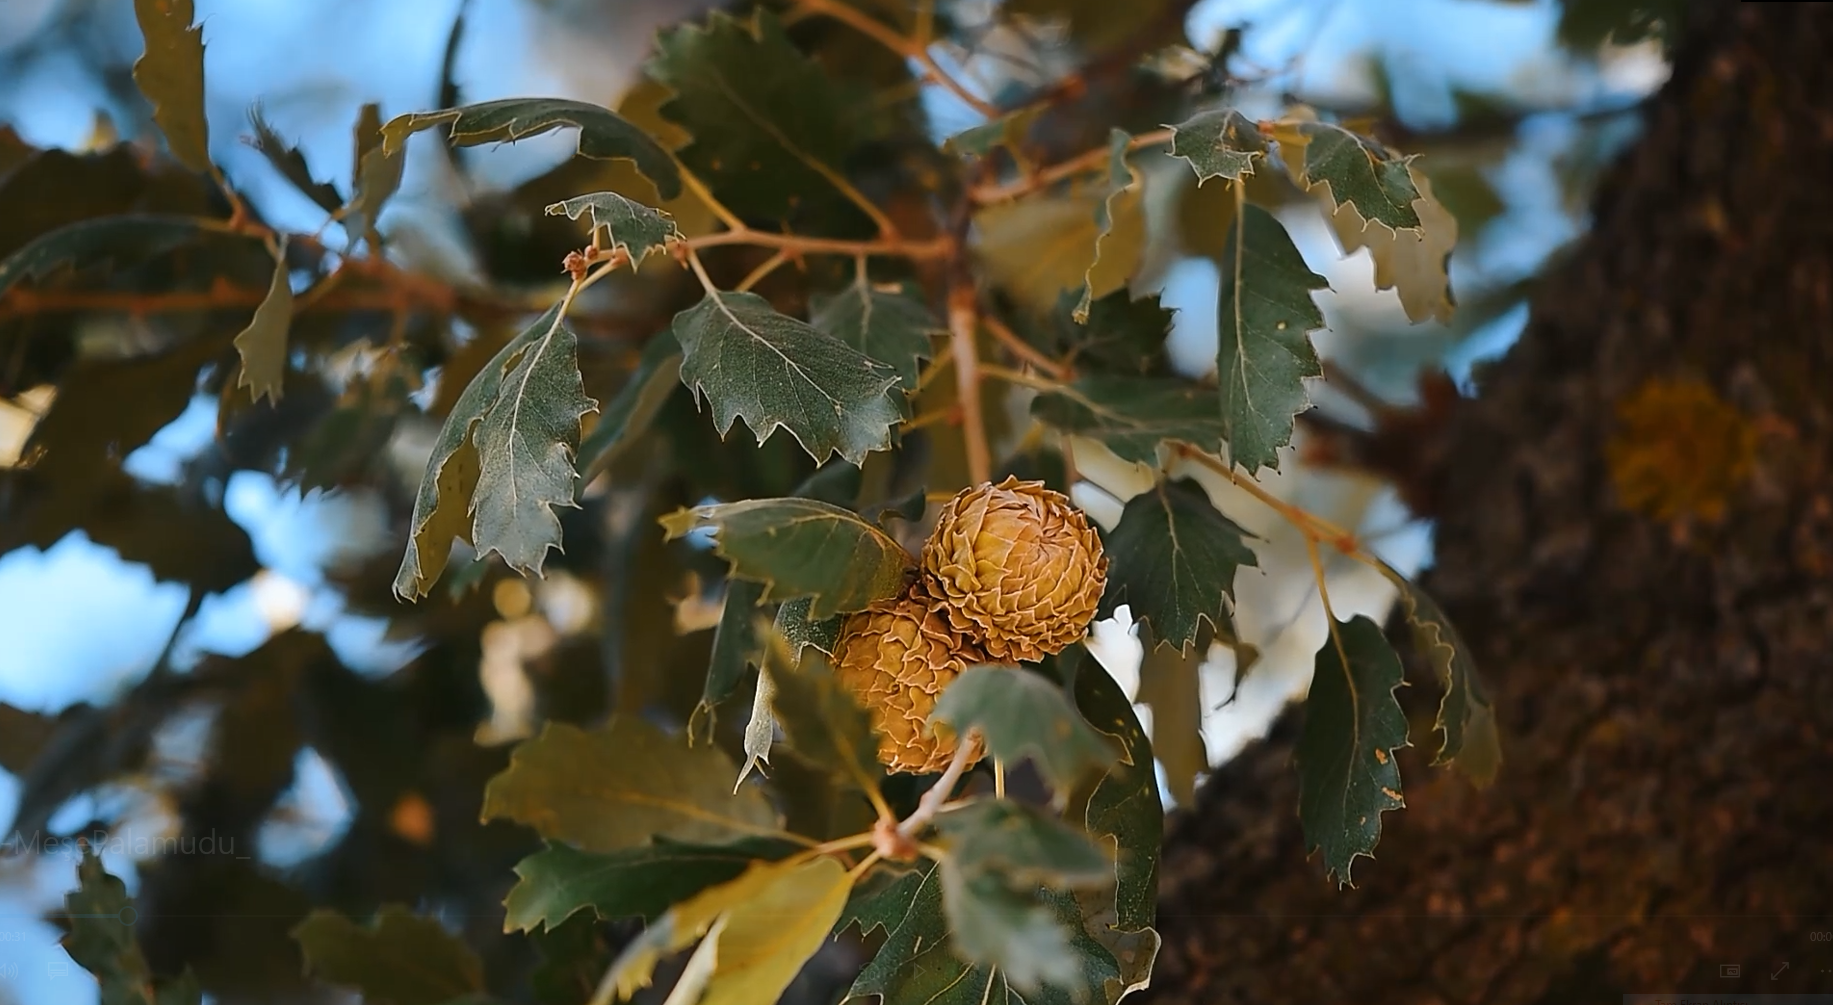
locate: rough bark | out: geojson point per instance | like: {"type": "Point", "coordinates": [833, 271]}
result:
{"type": "Point", "coordinates": [1666, 698]}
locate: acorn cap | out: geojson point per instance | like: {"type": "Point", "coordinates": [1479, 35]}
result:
{"type": "Point", "coordinates": [1018, 568]}
{"type": "Point", "coordinates": [896, 656]}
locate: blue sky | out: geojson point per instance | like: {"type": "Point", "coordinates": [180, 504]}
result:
{"type": "Point", "coordinates": [82, 625]}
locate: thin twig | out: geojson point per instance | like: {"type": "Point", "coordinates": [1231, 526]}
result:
{"type": "Point", "coordinates": [1020, 378]}
{"type": "Point", "coordinates": [963, 317]}
{"type": "Point", "coordinates": [932, 248]}
{"type": "Point", "coordinates": [1025, 351]}
{"type": "Point", "coordinates": [764, 268]}
{"type": "Point", "coordinates": [910, 48]}
{"type": "Point", "coordinates": [1048, 176]}
{"type": "Point", "coordinates": [938, 794]}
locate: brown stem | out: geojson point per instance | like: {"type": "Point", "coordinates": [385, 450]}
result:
{"type": "Point", "coordinates": [1048, 176]}
{"type": "Point", "coordinates": [963, 322]}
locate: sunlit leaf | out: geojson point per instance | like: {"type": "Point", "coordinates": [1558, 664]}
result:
{"type": "Point", "coordinates": [1263, 350]}
{"type": "Point", "coordinates": [774, 372]}
{"type": "Point", "coordinates": [503, 461]}
{"type": "Point", "coordinates": [1022, 844]}
{"type": "Point", "coordinates": [171, 75]}
{"type": "Point", "coordinates": [883, 321]}
{"type": "Point", "coordinates": [627, 224]}
{"type": "Point", "coordinates": [603, 134]}
{"type": "Point", "coordinates": [770, 128]}
{"type": "Point", "coordinates": [1219, 143]}
{"type": "Point", "coordinates": [630, 412]}
{"type": "Point", "coordinates": [1117, 252]}
{"type": "Point", "coordinates": [1172, 560]}
{"type": "Point", "coordinates": [1416, 263]}
{"type": "Point", "coordinates": [767, 922]}
{"type": "Point", "coordinates": [1353, 724]}
{"type": "Point", "coordinates": [1466, 716]}
{"type": "Point", "coordinates": [262, 345]}
{"type": "Point", "coordinates": [1170, 685]}
{"type": "Point", "coordinates": [101, 940]}
{"type": "Point", "coordinates": [1132, 416]}
{"type": "Point", "coordinates": [801, 548]}
{"type": "Point", "coordinates": [1021, 715]}
{"type": "Point", "coordinates": [618, 786]}
{"type": "Point", "coordinates": [1039, 246]}
{"type": "Point", "coordinates": [645, 881]}
{"type": "Point", "coordinates": [400, 958]}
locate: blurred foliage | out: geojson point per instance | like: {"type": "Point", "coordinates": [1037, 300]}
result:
{"type": "Point", "coordinates": [765, 230]}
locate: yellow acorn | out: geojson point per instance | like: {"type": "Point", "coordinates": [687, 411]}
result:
{"type": "Point", "coordinates": [896, 656]}
{"type": "Point", "coordinates": [1018, 568]}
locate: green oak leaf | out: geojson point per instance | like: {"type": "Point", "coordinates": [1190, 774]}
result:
{"type": "Point", "coordinates": [628, 224]}
{"type": "Point", "coordinates": [262, 345]}
{"type": "Point", "coordinates": [1120, 334]}
{"type": "Point", "coordinates": [922, 961]}
{"type": "Point", "coordinates": [1263, 350]}
{"type": "Point", "coordinates": [1219, 143]}
{"type": "Point", "coordinates": [400, 959]}
{"type": "Point", "coordinates": [1113, 250]}
{"type": "Point", "coordinates": [603, 134]}
{"type": "Point", "coordinates": [798, 630]}
{"type": "Point", "coordinates": [1132, 416]}
{"type": "Point", "coordinates": [770, 126]}
{"type": "Point", "coordinates": [1351, 169]}
{"type": "Point", "coordinates": [171, 74]}
{"type": "Point", "coordinates": [1123, 812]}
{"type": "Point", "coordinates": [630, 412]}
{"type": "Point", "coordinates": [1466, 715]}
{"type": "Point", "coordinates": [286, 159]}
{"type": "Point", "coordinates": [503, 461]}
{"type": "Point", "coordinates": [1022, 714]}
{"type": "Point", "coordinates": [801, 547]}
{"type": "Point", "coordinates": [1172, 559]}
{"type": "Point", "coordinates": [1416, 264]}
{"type": "Point", "coordinates": [1022, 844]}
{"type": "Point", "coordinates": [884, 321]}
{"type": "Point", "coordinates": [101, 940]}
{"type": "Point", "coordinates": [823, 722]}
{"type": "Point", "coordinates": [880, 900]}
{"type": "Point", "coordinates": [560, 881]}
{"type": "Point", "coordinates": [773, 371]}
{"type": "Point", "coordinates": [85, 243]}
{"type": "Point", "coordinates": [1353, 724]}
{"type": "Point", "coordinates": [736, 646]}
{"type": "Point", "coordinates": [618, 786]}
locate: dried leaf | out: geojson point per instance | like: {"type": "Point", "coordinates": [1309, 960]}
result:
{"type": "Point", "coordinates": [262, 345]}
{"type": "Point", "coordinates": [171, 75]}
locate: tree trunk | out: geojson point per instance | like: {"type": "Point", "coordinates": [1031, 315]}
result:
{"type": "Point", "coordinates": [1665, 689]}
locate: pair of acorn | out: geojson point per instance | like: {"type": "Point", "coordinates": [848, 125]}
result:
{"type": "Point", "coordinates": [1011, 572]}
